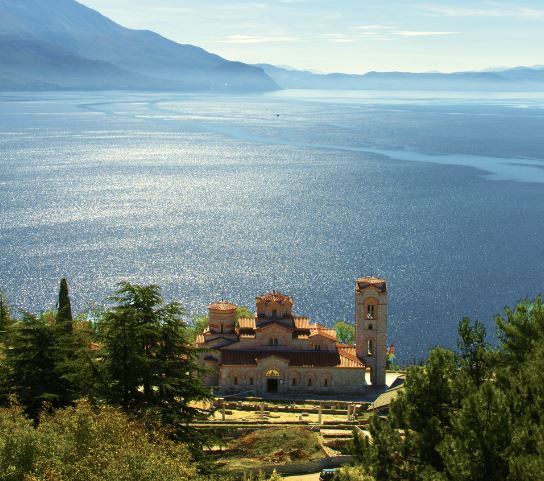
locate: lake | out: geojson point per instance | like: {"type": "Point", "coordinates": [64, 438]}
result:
{"type": "Point", "coordinates": [216, 196]}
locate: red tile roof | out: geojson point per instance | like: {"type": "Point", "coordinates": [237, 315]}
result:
{"type": "Point", "coordinates": [337, 359]}
{"type": "Point", "coordinates": [319, 330]}
{"type": "Point", "coordinates": [246, 323]}
{"type": "Point", "coordinates": [222, 306]}
{"type": "Point", "coordinates": [301, 322]}
{"type": "Point", "coordinates": [376, 282]}
{"type": "Point", "coordinates": [274, 296]}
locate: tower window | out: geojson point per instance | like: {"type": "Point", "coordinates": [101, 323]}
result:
{"type": "Point", "coordinates": [273, 341]}
{"type": "Point", "coordinates": [326, 383]}
{"type": "Point", "coordinates": [251, 381]}
{"type": "Point", "coordinates": [222, 328]}
{"type": "Point", "coordinates": [294, 383]}
{"type": "Point", "coordinates": [370, 311]}
{"type": "Point", "coordinates": [235, 380]}
{"type": "Point", "coordinates": [370, 326]}
{"type": "Point", "coordinates": [369, 347]}
{"type": "Point", "coordinates": [310, 382]}
{"type": "Point", "coordinates": [317, 347]}
{"type": "Point", "coordinates": [274, 313]}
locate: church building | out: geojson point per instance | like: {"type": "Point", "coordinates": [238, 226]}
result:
{"type": "Point", "coordinates": [277, 351]}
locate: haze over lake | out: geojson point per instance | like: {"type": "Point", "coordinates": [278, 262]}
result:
{"type": "Point", "coordinates": [301, 191]}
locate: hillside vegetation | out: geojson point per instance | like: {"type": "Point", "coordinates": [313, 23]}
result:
{"type": "Point", "coordinates": [476, 414]}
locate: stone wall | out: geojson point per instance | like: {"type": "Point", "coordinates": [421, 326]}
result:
{"type": "Point", "coordinates": [291, 380]}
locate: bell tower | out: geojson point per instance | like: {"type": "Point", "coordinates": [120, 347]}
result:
{"type": "Point", "coordinates": [371, 325]}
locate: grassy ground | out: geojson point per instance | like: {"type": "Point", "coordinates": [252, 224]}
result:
{"type": "Point", "coordinates": [275, 446]}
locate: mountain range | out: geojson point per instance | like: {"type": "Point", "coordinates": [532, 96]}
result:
{"type": "Point", "coordinates": [516, 79]}
{"type": "Point", "coordinates": [61, 44]}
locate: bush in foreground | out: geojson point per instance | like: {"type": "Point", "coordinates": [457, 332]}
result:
{"type": "Point", "coordinates": [84, 444]}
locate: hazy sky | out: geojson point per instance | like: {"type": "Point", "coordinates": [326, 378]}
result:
{"type": "Point", "coordinates": [348, 35]}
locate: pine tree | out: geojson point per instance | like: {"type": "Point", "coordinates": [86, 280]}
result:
{"type": "Point", "coordinates": [476, 448]}
{"type": "Point", "coordinates": [473, 351]}
{"type": "Point", "coordinates": [150, 366]}
{"type": "Point", "coordinates": [31, 362]}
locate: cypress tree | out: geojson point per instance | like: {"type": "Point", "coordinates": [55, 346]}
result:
{"type": "Point", "coordinates": [64, 314]}
{"type": "Point", "coordinates": [5, 316]}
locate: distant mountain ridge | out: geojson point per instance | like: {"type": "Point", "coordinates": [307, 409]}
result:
{"type": "Point", "coordinates": [63, 44]}
{"type": "Point", "coordinates": [520, 78]}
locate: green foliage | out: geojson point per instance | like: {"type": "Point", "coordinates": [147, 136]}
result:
{"type": "Point", "coordinates": [352, 473]}
{"type": "Point", "coordinates": [197, 327]}
{"type": "Point", "coordinates": [31, 362]}
{"type": "Point", "coordinates": [477, 414]}
{"type": "Point", "coordinates": [473, 350]}
{"type": "Point", "coordinates": [475, 448]}
{"type": "Point", "coordinates": [5, 317]}
{"type": "Point", "coordinates": [345, 332]}
{"type": "Point", "coordinates": [242, 312]}
{"type": "Point", "coordinates": [149, 366]}
{"type": "Point", "coordinates": [84, 444]}
{"type": "Point", "coordinates": [64, 312]}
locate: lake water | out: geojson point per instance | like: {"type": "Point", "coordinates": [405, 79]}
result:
{"type": "Point", "coordinates": [300, 191]}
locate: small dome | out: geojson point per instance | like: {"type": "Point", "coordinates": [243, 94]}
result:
{"type": "Point", "coordinates": [222, 306]}
{"type": "Point", "coordinates": [274, 296]}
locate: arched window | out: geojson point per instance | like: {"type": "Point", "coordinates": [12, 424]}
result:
{"type": "Point", "coordinates": [370, 311]}
{"type": "Point", "coordinates": [326, 382]}
{"type": "Point", "coordinates": [235, 380]}
{"type": "Point", "coordinates": [369, 348]}
{"type": "Point", "coordinates": [310, 382]}
{"type": "Point", "coordinates": [317, 347]}
{"type": "Point", "coordinates": [274, 341]}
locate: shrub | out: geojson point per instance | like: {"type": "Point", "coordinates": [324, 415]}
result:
{"type": "Point", "coordinates": [84, 444]}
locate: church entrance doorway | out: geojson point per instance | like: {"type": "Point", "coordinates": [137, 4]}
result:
{"type": "Point", "coordinates": [271, 385]}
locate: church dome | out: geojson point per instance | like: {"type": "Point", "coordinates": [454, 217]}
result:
{"type": "Point", "coordinates": [222, 306]}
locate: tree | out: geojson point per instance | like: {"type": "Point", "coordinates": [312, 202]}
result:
{"type": "Point", "coordinates": [473, 350]}
{"type": "Point", "coordinates": [31, 362]}
{"type": "Point", "coordinates": [477, 414]}
{"type": "Point", "coordinates": [405, 445]}
{"type": "Point", "coordinates": [64, 313]}
{"type": "Point", "coordinates": [198, 326]}
{"type": "Point", "coordinates": [518, 332]}
{"type": "Point", "coordinates": [477, 444]}
{"type": "Point", "coordinates": [345, 332]}
{"type": "Point", "coordinates": [149, 365]}
{"type": "Point", "coordinates": [5, 317]}
{"type": "Point", "coordinates": [242, 312]}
